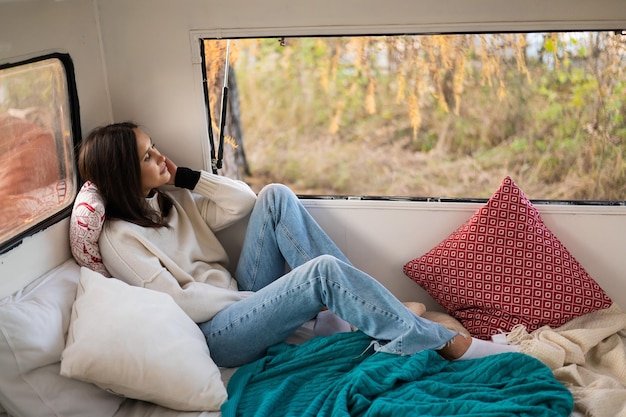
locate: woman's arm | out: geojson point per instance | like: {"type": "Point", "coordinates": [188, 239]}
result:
{"type": "Point", "coordinates": [220, 200]}
{"type": "Point", "coordinates": [129, 259]}
{"type": "Point", "coordinates": [201, 301]}
{"type": "Point", "coordinates": [226, 200]}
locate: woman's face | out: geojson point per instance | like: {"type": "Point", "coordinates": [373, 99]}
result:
{"type": "Point", "coordinates": [154, 172]}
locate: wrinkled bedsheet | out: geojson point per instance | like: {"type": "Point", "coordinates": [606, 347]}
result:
{"type": "Point", "coordinates": [588, 355]}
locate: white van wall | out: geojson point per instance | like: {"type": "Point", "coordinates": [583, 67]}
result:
{"type": "Point", "coordinates": [35, 28]}
{"type": "Point", "coordinates": [380, 237]}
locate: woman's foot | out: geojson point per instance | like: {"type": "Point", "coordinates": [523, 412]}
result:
{"type": "Point", "coordinates": [417, 308]}
{"type": "Point", "coordinates": [456, 347]}
{"type": "Point", "coordinates": [463, 347]}
{"type": "Point", "coordinates": [444, 319]}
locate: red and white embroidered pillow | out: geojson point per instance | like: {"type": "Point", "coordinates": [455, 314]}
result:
{"type": "Point", "coordinates": [504, 267]}
{"type": "Point", "coordinates": [85, 227]}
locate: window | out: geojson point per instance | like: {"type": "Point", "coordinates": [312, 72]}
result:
{"type": "Point", "coordinates": [37, 139]}
{"type": "Point", "coordinates": [428, 115]}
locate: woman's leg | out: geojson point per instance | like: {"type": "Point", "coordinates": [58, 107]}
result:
{"type": "Point", "coordinates": [280, 231]}
{"type": "Point", "coordinates": [243, 331]}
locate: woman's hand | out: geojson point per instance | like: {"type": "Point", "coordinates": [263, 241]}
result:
{"type": "Point", "coordinates": [172, 168]}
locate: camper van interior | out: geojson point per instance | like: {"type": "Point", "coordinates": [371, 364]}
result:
{"type": "Point", "coordinates": [468, 154]}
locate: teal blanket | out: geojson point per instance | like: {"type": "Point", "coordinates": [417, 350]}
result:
{"type": "Point", "coordinates": [341, 376]}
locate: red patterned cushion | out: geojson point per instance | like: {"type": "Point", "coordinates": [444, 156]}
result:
{"type": "Point", "coordinates": [504, 267]}
{"type": "Point", "coordinates": [85, 227]}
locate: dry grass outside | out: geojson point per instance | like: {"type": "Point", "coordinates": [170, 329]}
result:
{"type": "Point", "coordinates": [334, 169]}
{"type": "Point", "coordinates": [325, 167]}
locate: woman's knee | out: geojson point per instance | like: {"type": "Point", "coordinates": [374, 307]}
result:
{"type": "Point", "coordinates": [327, 262]}
{"type": "Point", "coordinates": [275, 191]}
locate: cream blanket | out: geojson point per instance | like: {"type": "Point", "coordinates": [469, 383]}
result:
{"type": "Point", "coordinates": [588, 355]}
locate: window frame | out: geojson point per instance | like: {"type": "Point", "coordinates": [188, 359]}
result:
{"type": "Point", "coordinates": [74, 116]}
{"type": "Point", "coordinates": [198, 37]}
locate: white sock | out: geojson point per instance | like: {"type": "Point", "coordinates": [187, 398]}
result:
{"type": "Point", "coordinates": [481, 348]}
{"type": "Point", "coordinates": [328, 323]}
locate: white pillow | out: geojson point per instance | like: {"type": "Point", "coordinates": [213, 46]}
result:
{"type": "Point", "coordinates": [140, 344]}
{"type": "Point", "coordinates": [33, 325]}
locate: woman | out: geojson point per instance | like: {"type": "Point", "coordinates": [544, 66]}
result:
{"type": "Point", "coordinates": [163, 238]}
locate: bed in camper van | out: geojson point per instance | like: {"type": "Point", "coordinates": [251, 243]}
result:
{"type": "Point", "coordinates": [75, 341]}
{"type": "Point", "coordinates": [545, 275]}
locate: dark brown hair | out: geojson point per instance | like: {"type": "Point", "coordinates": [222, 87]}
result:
{"type": "Point", "coordinates": [108, 157]}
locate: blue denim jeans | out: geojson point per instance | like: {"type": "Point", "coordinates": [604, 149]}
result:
{"type": "Point", "coordinates": [281, 232]}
